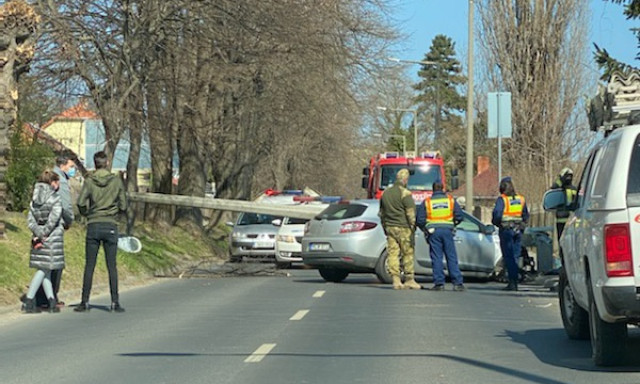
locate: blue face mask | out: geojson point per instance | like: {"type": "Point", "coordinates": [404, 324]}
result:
{"type": "Point", "coordinates": [71, 172]}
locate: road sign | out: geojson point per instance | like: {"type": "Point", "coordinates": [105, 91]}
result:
{"type": "Point", "coordinates": [499, 108]}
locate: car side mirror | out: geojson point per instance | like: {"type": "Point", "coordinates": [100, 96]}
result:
{"type": "Point", "coordinates": [276, 222]}
{"type": "Point", "coordinates": [489, 229]}
{"type": "Point", "coordinates": [229, 223]}
{"type": "Point", "coordinates": [554, 199]}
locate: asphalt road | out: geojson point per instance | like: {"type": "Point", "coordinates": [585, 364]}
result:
{"type": "Point", "coordinates": [299, 329]}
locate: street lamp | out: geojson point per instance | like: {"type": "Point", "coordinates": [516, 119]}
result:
{"type": "Point", "coordinates": [415, 125]}
{"type": "Point", "coordinates": [404, 141]}
{"type": "Point", "coordinates": [422, 62]}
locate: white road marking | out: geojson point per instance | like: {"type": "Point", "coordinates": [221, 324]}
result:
{"type": "Point", "coordinates": [299, 315]}
{"type": "Point", "coordinates": [319, 293]}
{"type": "Point", "coordinates": [260, 353]}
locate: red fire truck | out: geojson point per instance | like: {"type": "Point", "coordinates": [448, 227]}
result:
{"type": "Point", "coordinates": [424, 170]}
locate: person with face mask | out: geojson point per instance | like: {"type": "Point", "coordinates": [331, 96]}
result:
{"type": "Point", "coordinates": [47, 241]}
{"type": "Point", "coordinates": [564, 181]}
{"type": "Point", "coordinates": [65, 168]}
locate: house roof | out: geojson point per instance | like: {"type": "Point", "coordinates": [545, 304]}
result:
{"type": "Point", "coordinates": [485, 184]}
{"type": "Point", "coordinates": [79, 111]}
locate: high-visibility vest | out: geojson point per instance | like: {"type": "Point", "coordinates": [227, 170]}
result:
{"type": "Point", "coordinates": [562, 214]}
{"type": "Point", "coordinates": [439, 210]}
{"type": "Point", "coordinates": [513, 206]}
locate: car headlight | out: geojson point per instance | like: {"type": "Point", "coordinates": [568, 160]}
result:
{"type": "Point", "coordinates": [238, 235]}
{"type": "Point", "coordinates": [286, 238]}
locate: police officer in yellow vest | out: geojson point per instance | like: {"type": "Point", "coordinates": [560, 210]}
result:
{"type": "Point", "coordinates": [565, 182]}
{"type": "Point", "coordinates": [510, 215]}
{"type": "Point", "coordinates": [398, 217]}
{"type": "Point", "coordinates": [437, 218]}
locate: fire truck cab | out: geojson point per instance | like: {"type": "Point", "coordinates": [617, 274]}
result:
{"type": "Point", "coordinates": [424, 170]}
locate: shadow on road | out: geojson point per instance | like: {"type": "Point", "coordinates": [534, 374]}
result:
{"type": "Point", "coordinates": [552, 346]}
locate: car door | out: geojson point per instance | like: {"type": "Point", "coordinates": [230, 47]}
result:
{"type": "Point", "coordinates": [574, 240]}
{"type": "Point", "coordinates": [476, 250]}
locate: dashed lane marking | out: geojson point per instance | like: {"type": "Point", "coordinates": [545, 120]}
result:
{"type": "Point", "coordinates": [299, 315]}
{"type": "Point", "coordinates": [259, 353]}
{"type": "Point", "coordinates": [319, 293]}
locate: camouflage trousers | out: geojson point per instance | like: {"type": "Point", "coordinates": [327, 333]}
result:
{"type": "Point", "coordinates": [400, 241]}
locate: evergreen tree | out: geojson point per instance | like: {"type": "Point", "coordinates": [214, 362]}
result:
{"type": "Point", "coordinates": [439, 101]}
{"type": "Point", "coordinates": [609, 64]}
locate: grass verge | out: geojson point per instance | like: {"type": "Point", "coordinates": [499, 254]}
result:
{"type": "Point", "coordinates": [163, 249]}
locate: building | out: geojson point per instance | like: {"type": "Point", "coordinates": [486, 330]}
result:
{"type": "Point", "coordinates": [81, 131]}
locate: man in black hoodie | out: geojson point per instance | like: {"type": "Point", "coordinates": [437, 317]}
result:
{"type": "Point", "coordinates": [101, 199]}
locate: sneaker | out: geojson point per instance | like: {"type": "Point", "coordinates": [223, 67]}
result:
{"type": "Point", "coordinates": [437, 287]}
{"type": "Point", "coordinates": [459, 288]}
{"type": "Point", "coordinates": [82, 307]}
{"type": "Point", "coordinates": [115, 307]}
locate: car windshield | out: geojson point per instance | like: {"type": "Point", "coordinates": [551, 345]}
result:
{"type": "Point", "coordinates": [421, 179]}
{"type": "Point", "coordinates": [256, 218]}
{"type": "Point", "coordinates": [341, 211]}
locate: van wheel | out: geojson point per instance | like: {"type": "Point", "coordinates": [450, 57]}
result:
{"type": "Point", "coordinates": [382, 268]}
{"type": "Point", "coordinates": [333, 275]}
{"type": "Point", "coordinates": [574, 318]}
{"type": "Point", "coordinates": [608, 340]}
{"type": "Point", "coordinates": [283, 265]}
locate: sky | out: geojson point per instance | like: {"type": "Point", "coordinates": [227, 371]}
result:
{"type": "Point", "coordinates": [422, 20]}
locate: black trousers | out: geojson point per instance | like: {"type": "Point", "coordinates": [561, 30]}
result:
{"type": "Point", "coordinates": [105, 234]}
{"type": "Point", "coordinates": [41, 298]}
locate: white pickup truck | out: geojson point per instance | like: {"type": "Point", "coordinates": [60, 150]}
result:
{"type": "Point", "coordinates": [599, 288]}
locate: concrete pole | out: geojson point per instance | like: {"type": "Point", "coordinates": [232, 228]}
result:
{"type": "Point", "coordinates": [470, 169]}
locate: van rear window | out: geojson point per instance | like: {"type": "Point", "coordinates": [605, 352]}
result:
{"type": "Point", "coordinates": [341, 211]}
{"type": "Point", "coordinates": [633, 181]}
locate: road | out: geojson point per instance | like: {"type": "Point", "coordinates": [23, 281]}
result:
{"type": "Point", "coordinates": [299, 329]}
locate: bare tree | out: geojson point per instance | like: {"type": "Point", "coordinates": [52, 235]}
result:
{"type": "Point", "coordinates": [535, 49]}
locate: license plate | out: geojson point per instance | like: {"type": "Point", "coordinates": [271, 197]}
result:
{"type": "Point", "coordinates": [319, 247]}
{"type": "Point", "coordinates": [262, 244]}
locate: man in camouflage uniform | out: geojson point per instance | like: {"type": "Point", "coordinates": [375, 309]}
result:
{"type": "Point", "coordinates": [398, 217]}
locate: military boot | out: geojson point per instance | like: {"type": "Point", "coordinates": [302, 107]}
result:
{"type": "Point", "coordinates": [397, 283]}
{"type": "Point", "coordinates": [410, 283]}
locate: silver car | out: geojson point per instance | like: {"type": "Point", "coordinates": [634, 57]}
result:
{"type": "Point", "coordinates": [348, 238]}
{"type": "Point", "coordinates": [253, 236]}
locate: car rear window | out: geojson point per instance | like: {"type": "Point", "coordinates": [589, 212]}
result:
{"type": "Point", "coordinates": [256, 218]}
{"type": "Point", "coordinates": [633, 181]}
{"type": "Point", "coordinates": [341, 211]}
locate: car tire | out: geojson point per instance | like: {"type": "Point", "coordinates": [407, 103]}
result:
{"type": "Point", "coordinates": [382, 268]}
{"type": "Point", "coordinates": [333, 275]}
{"type": "Point", "coordinates": [574, 318]}
{"type": "Point", "coordinates": [608, 340]}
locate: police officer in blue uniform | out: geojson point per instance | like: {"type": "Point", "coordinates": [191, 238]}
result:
{"type": "Point", "coordinates": [437, 217]}
{"type": "Point", "coordinates": [510, 215]}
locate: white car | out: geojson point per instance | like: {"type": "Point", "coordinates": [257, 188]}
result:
{"type": "Point", "coordinates": [599, 283]}
{"type": "Point", "coordinates": [289, 241]}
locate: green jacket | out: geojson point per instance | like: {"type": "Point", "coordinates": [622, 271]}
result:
{"type": "Point", "coordinates": [102, 197]}
{"type": "Point", "coordinates": [397, 208]}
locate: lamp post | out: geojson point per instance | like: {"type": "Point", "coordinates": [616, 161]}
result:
{"type": "Point", "coordinates": [404, 141]}
{"type": "Point", "coordinates": [415, 125]}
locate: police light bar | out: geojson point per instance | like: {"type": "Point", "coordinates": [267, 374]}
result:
{"type": "Point", "coordinates": [430, 155]}
{"type": "Point", "coordinates": [322, 199]}
{"type": "Point", "coordinates": [274, 192]}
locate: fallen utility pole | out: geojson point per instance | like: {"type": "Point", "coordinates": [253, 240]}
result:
{"type": "Point", "coordinates": [302, 211]}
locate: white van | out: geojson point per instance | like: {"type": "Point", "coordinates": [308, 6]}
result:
{"type": "Point", "coordinates": [289, 241]}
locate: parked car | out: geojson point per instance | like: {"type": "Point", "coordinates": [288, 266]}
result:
{"type": "Point", "coordinates": [600, 247]}
{"type": "Point", "coordinates": [289, 241]}
{"type": "Point", "coordinates": [348, 238]}
{"type": "Point", "coordinates": [253, 236]}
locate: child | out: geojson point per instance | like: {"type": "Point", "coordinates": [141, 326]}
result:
{"type": "Point", "coordinates": [47, 246]}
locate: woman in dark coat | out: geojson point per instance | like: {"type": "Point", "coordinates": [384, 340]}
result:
{"type": "Point", "coordinates": [47, 245]}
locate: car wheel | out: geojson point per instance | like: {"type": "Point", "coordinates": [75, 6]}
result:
{"type": "Point", "coordinates": [333, 275]}
{"type": "Point", "coordinates": [382, 268]}
{"type": "Point", "coordinates": [608, 340]}
{"type": "Point", "coordinates": [234, 258]}
{"type": "Point", "coordinates": [574, 318]}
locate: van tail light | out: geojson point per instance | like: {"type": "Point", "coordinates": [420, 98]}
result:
{"type": "Point", "coordinates": [617, 247]}
{"type": "Point", "coordinates": [356, 226]}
